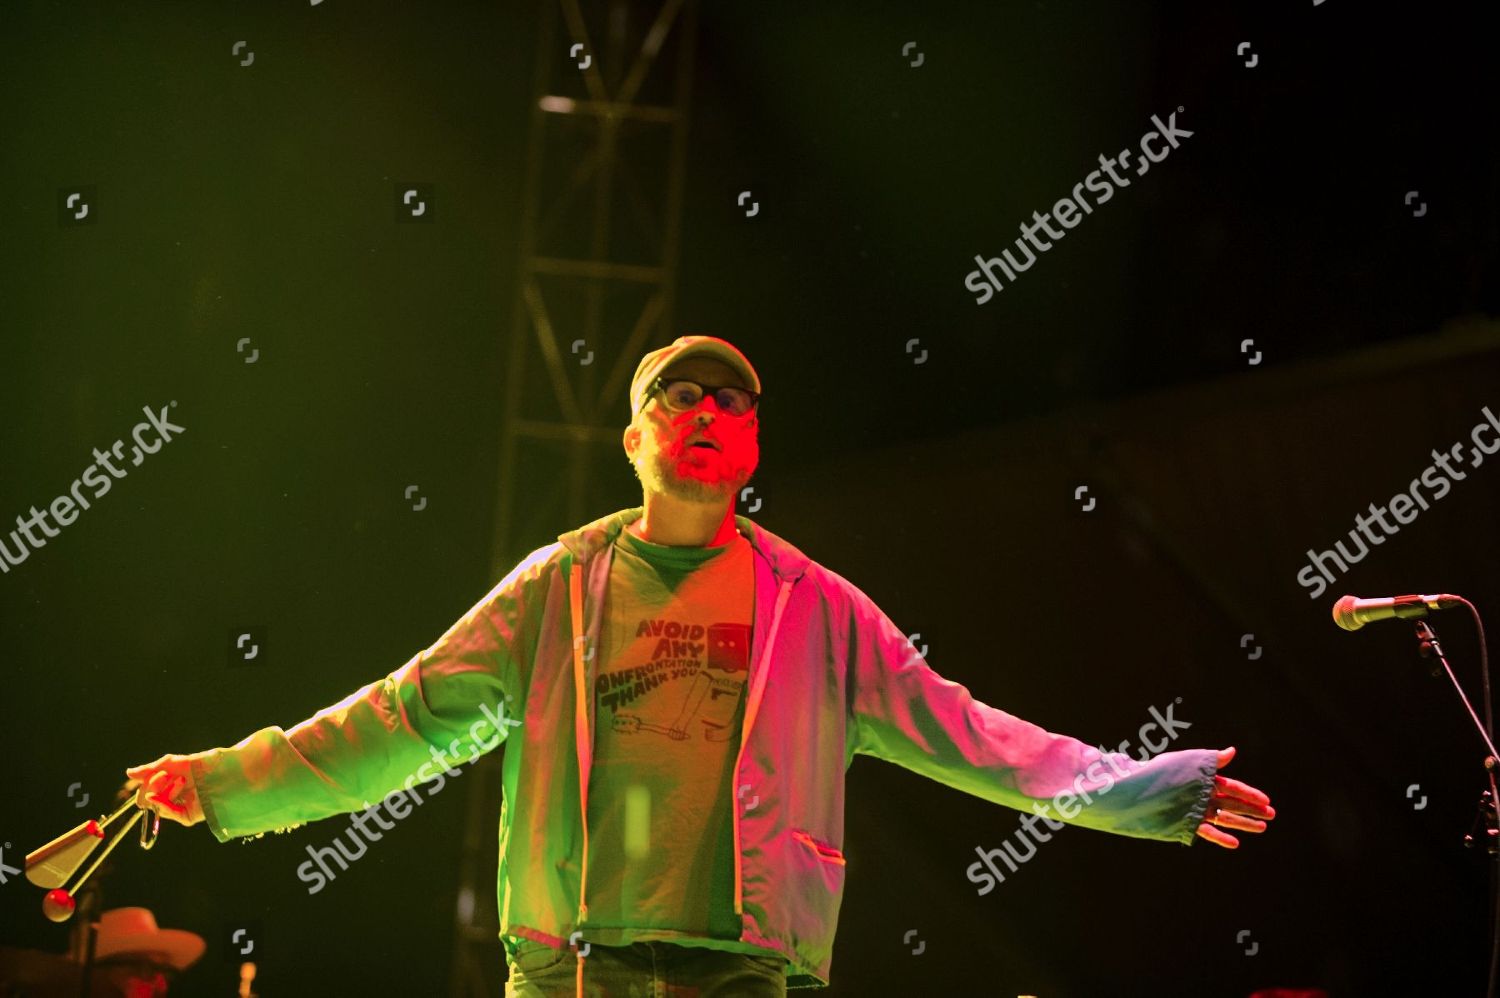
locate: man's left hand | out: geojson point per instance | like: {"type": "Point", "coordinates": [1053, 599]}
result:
{"type": "Point", "coordinates": [1234, 805]}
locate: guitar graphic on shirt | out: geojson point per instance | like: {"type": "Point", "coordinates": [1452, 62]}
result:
{"type": "Point", "coordinates": [717, 690]}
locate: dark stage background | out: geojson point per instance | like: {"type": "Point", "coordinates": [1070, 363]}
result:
{"type": "Point", "coordinates": [255, 201]}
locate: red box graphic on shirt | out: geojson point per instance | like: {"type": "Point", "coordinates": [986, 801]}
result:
{"type": "Point", "coordinates": [729, 647]}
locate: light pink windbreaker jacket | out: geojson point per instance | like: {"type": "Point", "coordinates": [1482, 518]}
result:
{"type": "Point", "coordinates": [831, 677]}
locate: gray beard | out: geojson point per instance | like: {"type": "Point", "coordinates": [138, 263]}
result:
{"type": "Point", "coordinates": [658, 473]}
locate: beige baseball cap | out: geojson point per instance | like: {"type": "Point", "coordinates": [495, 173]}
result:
{"type": "Point", "coordinates": [681, 348]}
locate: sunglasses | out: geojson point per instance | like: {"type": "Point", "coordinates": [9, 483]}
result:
{"type": "Point", "coordinates": [682, 394]}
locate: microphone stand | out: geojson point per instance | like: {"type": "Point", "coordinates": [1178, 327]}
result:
{"type": "Point", "coordinates": [1429, 647]}
{"type": "Point", "coordinates": [89, 907]}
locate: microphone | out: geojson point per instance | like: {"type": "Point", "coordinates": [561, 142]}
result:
{"type": "Point", "coordinates": [1352, 613]}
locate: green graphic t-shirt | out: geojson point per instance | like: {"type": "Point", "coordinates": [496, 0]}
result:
{"type": "Point", "coordinates": [669, 702]}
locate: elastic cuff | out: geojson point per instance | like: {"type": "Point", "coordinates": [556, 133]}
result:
{"type": "Point", "coordinates": [1195, 816]}
{"type": "Point", "coordinates": [196, 767]}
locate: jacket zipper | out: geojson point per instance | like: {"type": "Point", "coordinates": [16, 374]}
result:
{"type": "Point", "coordinates": [751, 709]}
{"type": "Point", "coordinates": [580, 729]}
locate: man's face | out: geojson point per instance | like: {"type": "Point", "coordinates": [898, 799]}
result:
{"type": "Point", "coordinates": [138, 976]}
{"type": "Point", "coordinates": [667, 448]}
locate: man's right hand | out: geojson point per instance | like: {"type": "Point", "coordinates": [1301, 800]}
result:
{"type": "Point", "coordinates": [166, 786]}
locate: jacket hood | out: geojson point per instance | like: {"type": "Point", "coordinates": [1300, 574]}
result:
{"type": "Point", "coordinates": [786, 560]}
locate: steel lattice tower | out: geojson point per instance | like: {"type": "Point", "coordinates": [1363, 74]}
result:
{"type": "Point", "coordinates": [600, 213]}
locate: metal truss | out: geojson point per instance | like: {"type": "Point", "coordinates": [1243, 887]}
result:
{"type": "Point", "coordinates": [600, 212]}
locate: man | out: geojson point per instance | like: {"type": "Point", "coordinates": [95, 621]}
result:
{"type": "Point", "coordinates": [136, 959]}
{"type": "Point", "coordinates": [133, 958]}
{"type": "Point", "coordinates": [691, 690]}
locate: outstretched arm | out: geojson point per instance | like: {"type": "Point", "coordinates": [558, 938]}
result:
{"type": "Point", "coordinates": [902, 711]}
{"type": "Point", "coordinates": [450, 703]}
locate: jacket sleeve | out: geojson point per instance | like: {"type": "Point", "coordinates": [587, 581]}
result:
{"type": "Point", "coordinates": [450, 703]}
{"type": "Point", "coordinates": [904, 712]}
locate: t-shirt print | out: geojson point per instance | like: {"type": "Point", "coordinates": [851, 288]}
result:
{"type": "Point", "coordinates": [669, 702]}
{"type": "Point", "coordinates": [690, 687]}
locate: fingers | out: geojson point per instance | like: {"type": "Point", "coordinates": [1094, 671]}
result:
{"type": "Point", "coordinates": [148, 794]}
{"type": "Point", "coordinates": [1235, 812]}
{"type": "Point", "coordinates": [1236, 805]}
{"type": "Point", "coordinates": [1242, 797]}
{"type": "Point", "coordinates": [1218, 838]}
{"type": "Point", "coordinates": [167, 765]}
{"type": "Point", "coordinates": [165, 787]}
{"type": "Point", "coordinates": [172, 810]}
{"type": "Point", "coordinates": [1230, 819]}
{"type": "Point", "coordinates": [158, 782]}
{"type": "Point", "coordinates": [139, 772]}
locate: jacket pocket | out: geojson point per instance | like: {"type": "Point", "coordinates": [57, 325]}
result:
{"type": "Point", "coordinates": [533, 958]}
{"type": "Point", "coordinates": [822, 850]}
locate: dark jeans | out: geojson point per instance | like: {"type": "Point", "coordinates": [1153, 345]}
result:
{"type": "Point", "coordinates": [644, 970]}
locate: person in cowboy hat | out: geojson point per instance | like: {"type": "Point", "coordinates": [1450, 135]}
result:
{"type": "Point", "coordinates": [133, 958]}
{"type": "Point", "coordinates": [136, 959]}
